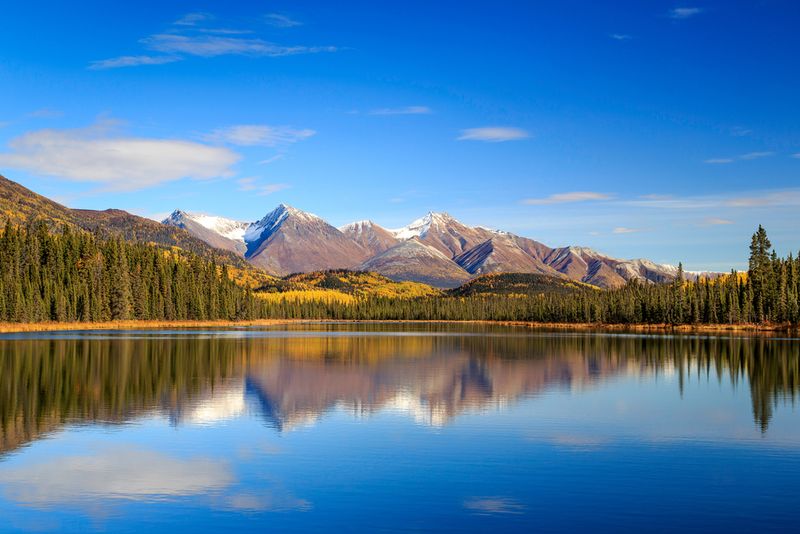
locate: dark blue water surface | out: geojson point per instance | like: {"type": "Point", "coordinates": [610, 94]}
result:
{"type": "Point", "coordinates": [392, 427]}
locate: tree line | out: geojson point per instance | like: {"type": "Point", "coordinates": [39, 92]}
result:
{"type": "Point", "coordinates": [72, 275]}
{"type": "Point", "coordinates": [75, 276]}
{"type": "Point", "coordinates": [769, 292]}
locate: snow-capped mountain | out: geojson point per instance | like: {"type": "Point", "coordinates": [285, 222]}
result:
{"type": "Point", "coordinates": [216, 231]}
{"type": "Point", "coordinates": [444, 233]}
{"type": "Point", "coordinates": [436, 249]}
{"type": "Point", "coordinates": [370, 236]}
{"type": "Point", "coordinates": [288, 240]}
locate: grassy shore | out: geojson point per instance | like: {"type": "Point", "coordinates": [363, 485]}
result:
{"type": "Point", "coordinates": [595, 327]}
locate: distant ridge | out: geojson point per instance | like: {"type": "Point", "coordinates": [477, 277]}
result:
{"type": "Point", "coordinates": [289, 240]}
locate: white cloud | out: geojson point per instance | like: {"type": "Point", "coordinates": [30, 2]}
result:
{"type": "Point", "coordinates": [131, 61]}
{"type": "Point", "coordinates": [187, 37]}
{"type": "Point", "coordinates": [408, 110]}
{"type": "Point", "coordinates": [271, 159]}
{"type": "Point", "coordinates": [624, 230]}
{"type": "Point", "coordinates": [191, 19]}
{"type": "Point", "coordinates": [272, 188]}
{"type": "Point", "coordinates": [259, 135]}
{"type": "Point", "coordinates": [740, 131]}
{"type": "Point", "coordinates": [281, 21]}
{"type": "Point", "coordinates": [213, 45]}
{"type": "Point", "coordinates": [562, 198]}
{"type": "Point", "coordinates": [716, 221]}
{"type": "Point", "coordinates": [751, 199]}
{"type": "Point", "coordinates": [251, 184]}
{"type": "Point", "coordinates": [793, 155]}
{"type": "Point", "coordinates": [620, 36]}
{"type": "Point", "coordinates": [225, 31]}
{"type": "Point", "coordinates": [46, 113]}
{"type": "Point", "coordinates": [493, 134]}
{"type": "Point", "coordinates": [756, 155]}
{"type": "Point", "coordinates": [684, 12]}
{"type": "Point", "coordinates": [745, 157]}
{"type": "Point", "coordinates": [97, 154]}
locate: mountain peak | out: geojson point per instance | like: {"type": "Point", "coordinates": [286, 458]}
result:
{"type": "Point", "coordinates": [421, 226]}
{"type": "Point", "coordinates": [357, 225]}
{"type": "Point", "coordinates": [227, 228]}
{"type": "Point", "coordinates": [175, 216]}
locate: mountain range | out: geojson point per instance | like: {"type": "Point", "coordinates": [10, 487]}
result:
{"type": "Point", "coordinates": [435, 249]}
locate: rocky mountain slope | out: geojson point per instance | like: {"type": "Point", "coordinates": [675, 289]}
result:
{"type": "Point", "coordinates": [369, 235]}
{"type": "Point", "coordinates": [289, 240]}
{"type": "Point", "coordinates": [413, 260]}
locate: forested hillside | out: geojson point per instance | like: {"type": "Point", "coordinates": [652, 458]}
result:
{"type": "Point", "coordinates": [74, 276]}
{"type": "Point", "coordinates": [767, 293]}
{"type": "Point", "coordinates": [19, 206]}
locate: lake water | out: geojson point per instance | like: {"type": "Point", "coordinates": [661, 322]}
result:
{"type": "Point", "coordinates": [398, 427]}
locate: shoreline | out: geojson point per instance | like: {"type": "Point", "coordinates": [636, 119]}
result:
{"type": "Point", "coordinates": [760, 329]}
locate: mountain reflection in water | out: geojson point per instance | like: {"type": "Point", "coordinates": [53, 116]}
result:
{"type": "Point", "coordinates": [293, 380]}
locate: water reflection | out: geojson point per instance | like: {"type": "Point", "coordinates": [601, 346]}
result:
{"type": "Point", "coordinates": [292, 381]}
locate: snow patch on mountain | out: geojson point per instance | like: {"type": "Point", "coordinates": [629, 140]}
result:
{"type": "Point", "coordinates": [260, 230]}
{"type": "Point", "coordinates": [420, 227]}
{"type": "Point", "coordinates": [228, 228]}
{"type": "Point", "coordinates": [357, 227]}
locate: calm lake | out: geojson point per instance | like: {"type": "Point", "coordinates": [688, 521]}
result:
{"type": "Point", "coordinates": [398, 427]}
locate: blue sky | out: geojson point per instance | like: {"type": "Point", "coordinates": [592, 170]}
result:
{"type": "Point", "coordinates": [641, 128]}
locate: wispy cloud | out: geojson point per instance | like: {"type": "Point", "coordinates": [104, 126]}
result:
{"type": "Point", "coordinates": [408, 110]}
{"type": "Point", "coordinates": [46, 113]}
{"type": "Point", "coordinates": [621, 36]}
{"type": "Point", "coordinates": [258, 135]}
{"type": "Point", "coordinates": [751, 199]}
{"type": "Point", "coordinates": [131, 61]}
{"type": "Point", "coordinates": [624, 230]}
{"type": "Point", "coordinates": [493, 134]}
{"type": "Point", "coordinates": [716, 221]}
{"type": "Point", "coordinates": [562, 198]}
{"type": "Point", "coordinates": [281, 21]}
{"type": "Point", "coordinates": [740, 131]}
{"type": "Point", "coordinates": [271, 159]}
{"type": "Point", "coordinates": [99, 154]}
{"type": "Point", "coordinates": [680, 13]}
{"type": "Point", "coordinates": [213, 45]}
{"type": "Point", "coordinates": [192, 19]}
{"type": "Point", "coordinates": [756, 155]}
{"type": "Point", "coordinates": [251, 184]}
{"type": "Point", "coordinates": [188, 37]}
{"type": "Point", "coordinates": [743, 157]}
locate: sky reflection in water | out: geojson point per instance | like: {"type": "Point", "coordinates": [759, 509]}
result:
{"type": "Point", "coordinates": [353, 427]}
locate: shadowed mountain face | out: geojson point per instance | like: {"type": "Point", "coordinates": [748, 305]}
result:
{"type": "Point", "coordinates": [432, 375]}
{"type": "Point", "coordinates": [502, 254]}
